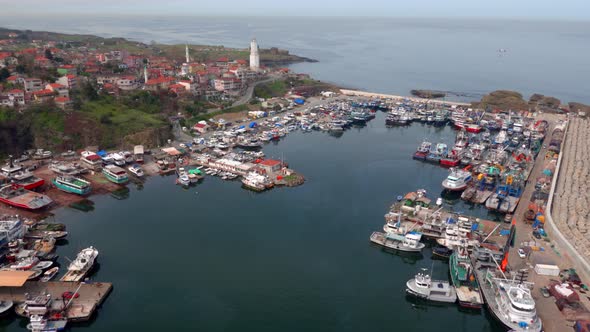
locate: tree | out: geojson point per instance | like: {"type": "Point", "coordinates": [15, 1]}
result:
{"type": "Point", "coordinates": [48, 54]}
{"type": "Point", "coordinates": [20, 69]}
{"type": "Point", "coordinates": [87, 91]}
{"type": "Point", "coordinates": [4, 74]}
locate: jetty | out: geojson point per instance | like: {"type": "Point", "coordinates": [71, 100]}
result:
{"type": "Point", "coordinates": [82, 307]}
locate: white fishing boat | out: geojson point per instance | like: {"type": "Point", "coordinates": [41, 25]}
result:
{"type": "Point", "coordinates": [41, 324]}
{"type": "Point", "coordinates": [79, 268]}
{"type": "Point", "coordinates": [457, 180]}
{"type": "Point", "coordinates": [409, 242]}
{"type": "Point", "coordinates": [136, 170]}
{"type": "Point", "coordinates": [255, 181]}
{"type": "Point", "coordinates": [424, 287]}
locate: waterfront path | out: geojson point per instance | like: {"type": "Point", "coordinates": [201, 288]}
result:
{"type": "Point", "coordinates": [553, 319]}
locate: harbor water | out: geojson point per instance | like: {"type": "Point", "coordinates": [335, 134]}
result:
{"type": "Point", "coordinates": [217, 257]}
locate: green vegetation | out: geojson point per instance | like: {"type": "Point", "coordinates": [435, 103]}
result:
{"type": "Point", "coordinates": [273, 89]}
{"type": "Point", "coordinates": [503, 100]}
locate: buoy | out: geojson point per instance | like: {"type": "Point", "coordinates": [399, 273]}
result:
{"type": "Point", "coordinates": [399, 198]}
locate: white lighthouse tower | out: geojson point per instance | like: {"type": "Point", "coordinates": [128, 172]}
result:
{"type": "Point", "coordinates": [188, 59]}
{"type": "Point", "coordinates": [254, 56]}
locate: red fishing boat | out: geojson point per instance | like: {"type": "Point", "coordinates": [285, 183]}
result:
{"type": "Point", "coordinates": [21, 177]}
{"type": "Point", "coordinates": [473, 128]}
{"type": "Point", "coordinates": [20, 197]}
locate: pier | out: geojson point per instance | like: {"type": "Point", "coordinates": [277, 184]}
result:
{"type": "Point", "coordinates": [82, 308]}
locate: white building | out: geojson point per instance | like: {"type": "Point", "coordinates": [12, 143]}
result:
{"type": "Point", "coordinates": [254, 56]}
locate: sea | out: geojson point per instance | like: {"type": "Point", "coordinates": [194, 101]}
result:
{"type": "Point", "coordinates": [217, 257]}
{"type": "Point", "coordinates": [467, 58]}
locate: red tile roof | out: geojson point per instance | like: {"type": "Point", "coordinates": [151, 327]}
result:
{"type": "Point", "coordinates": [62, 99]}
{"type": "Point", "coordinates": [57, 86]}
{"type": "Point", "coordinates": [270, 162]}
{"type": "Point", "coordinates": [222, 59]}
{"type": "Point", "coordinates": [44, 92]}
{"type": "Point", "coordinates": [159, 80]}
{"type": "Point", "coordinates": [15, 91]}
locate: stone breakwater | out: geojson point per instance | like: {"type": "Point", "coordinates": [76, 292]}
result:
{"type": "Point", "coordinates": [571, 206]}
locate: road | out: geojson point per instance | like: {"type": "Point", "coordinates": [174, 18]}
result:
{"type": "Point", "coordinates": [250, 91]}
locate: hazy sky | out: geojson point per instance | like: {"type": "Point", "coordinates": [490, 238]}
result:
{"type": "Point", "coordinates": [535, 9]}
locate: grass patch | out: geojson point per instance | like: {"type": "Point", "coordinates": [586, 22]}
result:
{"type": "Point", "coordinates": [276, 88]}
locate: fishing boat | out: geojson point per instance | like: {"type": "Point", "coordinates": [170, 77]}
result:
{"type": "Point", "coordinates": [58, 235]}
{"type": "Point", "coordinates": [437, 154]}
{"type": "Point", "coordinates": [410, 242]}
{"type": "Point", "coordinates": [457, 180]}
{"type": "Point", "coordinates": [39, 323]}
{"type": "Point", "coordinates": [79, 268]}
{"type": "Point", "coordinates": [442, 252]}
{"type": "Point", "coordinates": [509, 300]}
{"type": "Point", "coordinates": [49, 274]}
{"type": "Point", "coordinates": [473, 128]}
{"type": "Point", "coordinates": [35, 273]}
{"type": "Point", "coordinates": [422, 286]}
{"type": "Point", "coordinates": [505, 199]}
{"type": "Point", "coordinates": [255, 181]}
{"type": "Point", "coordinates": [422, 151]}
{"type": "Point", "coordinates": [115, 174]}
{"type": "Point", "coordinates": [5, 307]}
{"type": "Point", "coordinates": [249, 144]}
{"type": "Point", "coordinates": [136, 170]}
{"type": "Point", "coordinates": [20, 176]}
{"type": "Point", "coordinates": [25, 264]}
{"type": "Point", "coordinates": [13, 227]}
{"type": "Point", "coordinates": [44, 247]}
{"type": "Point", "coordinates": [463, 278]}
{"type": "Point", "coordinates": [72, 185]}
{"type": "Point", "coordinates": [71, 169]}
{"type": "Point", "coordinates": [22, 198]}
{"type": "Point", "coordinates": [43, 265]}
{"type": "Point", "coordinates": [183, 179]}
{"type": "Point", "coordinates": [452, 159]}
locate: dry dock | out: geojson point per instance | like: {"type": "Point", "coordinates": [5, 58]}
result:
{"type": "Point", "coordinates": [81, 309]}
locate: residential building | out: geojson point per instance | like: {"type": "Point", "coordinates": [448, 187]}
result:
{"type": "Point", "coordinates": [227, 84]}
{"type": "Point", "coordinates": [270, 166]}
{"type": "Point", "coordinates": [127, 83]}
{"type": "Point", "coordinates": [70, 81]}
{"type": "Point", "coordinates": [32, 84]}
{"type": "Point", "coordinates": [16, 96]}
{"type": "Point", "coordinates": [63, 102]}
{"type": "Point", "coordinates": [43, 95]}
{"type": "Point", "coordinates": [59, 89]}
{"type": "Point", "coordinates": [67, 69]}
{"type": "Point", "coordinates": [160, 83]}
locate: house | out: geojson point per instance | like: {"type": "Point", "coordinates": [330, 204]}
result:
{"type": "Point", "coordinates": [270, 166]}
{"type": "Point", "coordinates": [160, 83]}
{"type": "Point", "coordinates": [178, 89]}
{"type": "Point", "coordinates": [222, 62]}
{"type": "Point", "coordinates": [6, 59]}
{"type": "Point", "coordinates": [70, 81]}
{"type": "Point", "coordinates": [127, 83]}
{"type": "Point", "coordinates": [59, 89]}
{"type": "Point", "coordinates": [244, 74]}
{"type": "Point", "coordinates": [15, 80]}
{"type": "Point", "coordinates": [227, 84]}
{"type": "Point", "coordinates": [43, 62]}
{"type": "Point", "coordinates": [63, 102]}
{"type": "Point", "coordinates": [43, 95]}
{"type": "Point", "coordinates": [106, 78]}
{"type": "Point", "coordinates": [16, 96]}
{"type": "Point", "coordinates": [32, 84]}
{"type": "Point", "coordinates": [201, 128]}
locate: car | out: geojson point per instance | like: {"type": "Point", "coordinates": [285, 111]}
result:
{"type": "Point", "coordinates": [545, 292]}
{"type": "Point", "coordinates": [521, 253]}
{"type": "Point", "coordinates": [182, 145]}
{"type": "Point", "coordinates": [537, 235]}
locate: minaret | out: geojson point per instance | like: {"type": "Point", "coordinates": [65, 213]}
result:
{"type": "Point", "coordinates": [145, 73]}
{"type": "Point", "coordinates": [254, 56]}
{"type": "Point", "coordinates": [186, 51]}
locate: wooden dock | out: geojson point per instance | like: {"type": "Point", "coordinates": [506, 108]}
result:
{"type": "Point", "coordinates": [81, 309]}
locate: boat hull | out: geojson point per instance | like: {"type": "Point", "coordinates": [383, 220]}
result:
{"type": "Point", "coordinates": [71, 190]}
{"type": "Point", "coordinates": [32, 185]}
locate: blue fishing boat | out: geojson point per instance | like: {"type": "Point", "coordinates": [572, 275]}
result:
{"type": "Point", "coordinates": [72, 185]}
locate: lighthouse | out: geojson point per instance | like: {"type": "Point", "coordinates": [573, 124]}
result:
{"type": "Point", "coordinates": [254, 56]}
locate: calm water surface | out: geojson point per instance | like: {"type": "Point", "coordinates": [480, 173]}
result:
{"type": "Point", "coordinates": [220, 258]}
